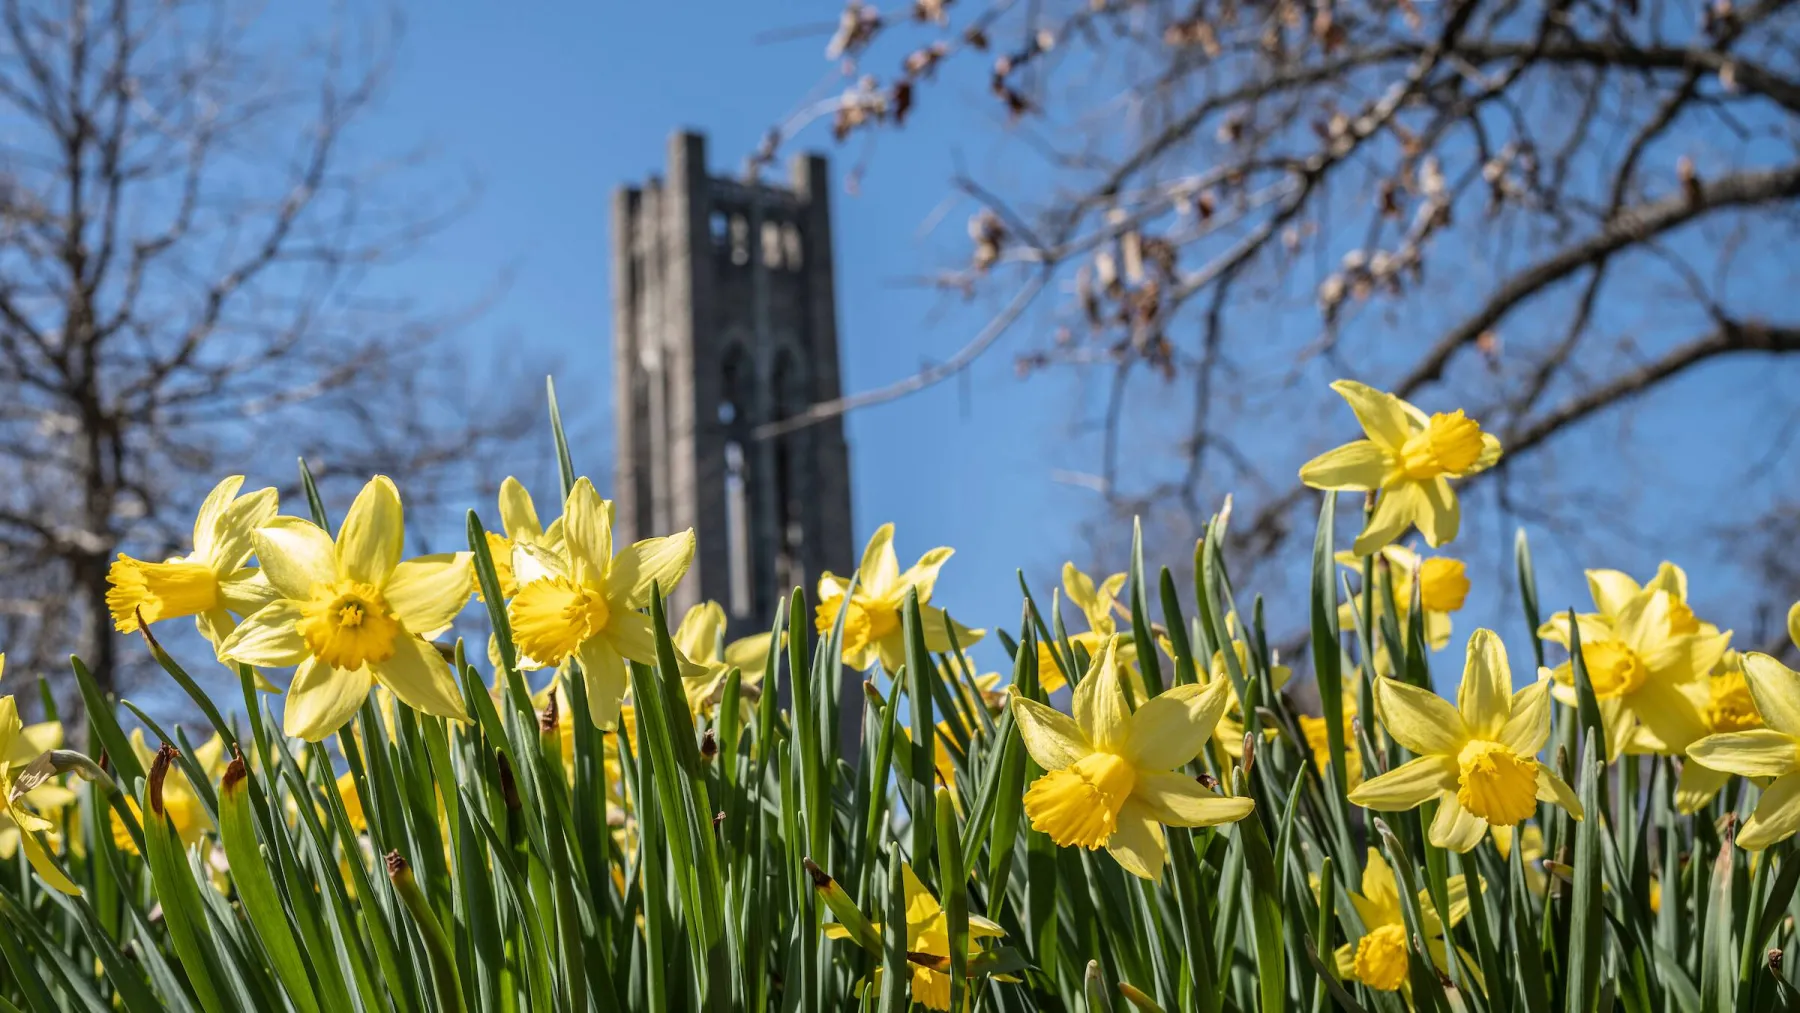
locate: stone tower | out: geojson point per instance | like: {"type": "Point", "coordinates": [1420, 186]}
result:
{"type": "Point", "coordinates": [724, 319]}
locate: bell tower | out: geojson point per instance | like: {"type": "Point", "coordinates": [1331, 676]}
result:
{"type": "Point", "coordinates": [725, 319]}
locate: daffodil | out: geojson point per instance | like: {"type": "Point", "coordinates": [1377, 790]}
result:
{"type": "Point", "coordinates": [212, 582]}
{"type": "Point", "coordinates": [350, 615]}
{"type": "Point", "coordinates": [1729, 708]}
{"type": "Point", "coordinates": [585, 603]}
{"type": "Point", "coordinates": [20, 775]}
{"type": "Point", "coordinates": [1769, 752]}
{"type": "Point", "coordinates": [872, 612]}
{"type": "Point", "coordinates": [1647, 659]}
{"type": "Point", "coordinates": [1380, 958]}
{"type": "Point", "coordinates": [1096, 602]}
{"type": "Point", "coordinates": [1318, 740]}
{"type": "Point", "coordinates": [1111, 778]}
{"type": "Point", "coordinates": [1230, 733]}
{"type": "Point", "coordinates": [1478, 759]}
{"type": "Point", "coordinates": [519, 519]}
{"type": "Point", "coordinates": [48, 798]}
{"type": "Point", "coordinates": [701, 641]}
{"type": "Point", "coordinates": [182, 804]}
{"type": "Point", "coordinates": [1410, 459]}
{"type": "Point", "coordinates": [927, 937]}
{"type": "Point", "coordinates": [1443, 587]}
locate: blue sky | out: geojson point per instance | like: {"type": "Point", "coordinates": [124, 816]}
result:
{"type": "Point", "coordinates": [550, 106]}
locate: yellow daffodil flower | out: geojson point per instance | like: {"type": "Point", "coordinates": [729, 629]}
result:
{"type": "Point", "coordinates": [519, 521]}
{"type": "Point", "coordinates": [1771, 752]}
{"type": "Point", "coordinates": [182, 804]}
{"type": "Point", "coordinates": [1096, 602]}
{"type": "Point", "coordinates": [1319, 741]}
{"type": "Point", "coordinates": [1380, 958]}
{"type": "Point", "coordinates": [927, 935]}
{"type": "Point", "coordinates": [701, 640]}
{"type": "Point", "coordinates": [1443, 587]}
{"type": "Point", "coordinates": [1648, 661]}
{"type": "Point", "coordinates": [19, 777]}
{"type": "Point", "coordinates": [1410, 459]}
{"type": "Point", "coordinates": [210, 583]}
{"type": "Point", "coordinates": [584, 604]}
{"type": "Point", "coordinates": [1111, 778]}
{"type": "Point", "coordinates": [873, 627]}
{"type": "Point", "coordinates": [350, 614]}
{"type": "Point", "coordinates": [1477, 759]}
{"type": "Point", "coordinates": [1729, 708]}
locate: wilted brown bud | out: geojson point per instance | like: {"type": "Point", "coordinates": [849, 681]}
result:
{"type": "Point", "coordinates": [1208, 781]}
{"type": "Point", "coordinates": [709, 745]}
{"type": "Point", "coordinates": [1775, 961]}
{"type": "Point", "coordinates": [159, 771]}
{"type": "Point", "coordinates": [397, 867]}
{"type": "Point", "coordinates": [548, 720]}
{"type": "Point", "coordinates": [509, 787]}
{"type": "Point", "coordinates": [718, 818]}
{"type": "Point", "coordinates": [1249, 752]}
{"type": "Point", "coordinates": [820, 877]}
{"type": "Point", "coordinates": [235, 772]}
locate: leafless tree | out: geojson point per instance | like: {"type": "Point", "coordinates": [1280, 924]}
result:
{"type": "Point", "coordinates": [189, 227]}
{"type": "Point", "coordinates": [1545, 212]}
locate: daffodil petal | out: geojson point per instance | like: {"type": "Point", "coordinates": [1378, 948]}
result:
{"type": "Point", "coordinates": [1455, 828]}
{"type": "Point", "coordinates": [1360, 467]}
{"type": "Point", "coordinates": [518, 515]}
{"type": "Point", "coordinates": [1099, 704]}
{"type": "Point", "coordinates": [1793, 623]}
{"type": "Point", "coordinates": [46, 867]}
{"type": "Point", "coordinates": [1527, 726]}
{"type": "Point", "coordinates": [421, 678]}
{"type": "Point", "coordinates": [1485, 697]}
{"type": "Point", "coordinates": [1697, 786]}
{"type": "Point", "coordinates": [268, 637]}
{"type": "Point", "coordinates": [295, 555]}
{"type": "Point", "coordinates": [1172, 728]}
{"type": "Point", "coordinates": [1382, 416]}
{"type": "Point", "coordinates": [606, 677]}
{"type": "Point", "coordinates": [923, 574]}
{"type": "Point", "coordinates": [1051, 737]}
{"type": "Point", "coordinates": [212, 510]}
{"type": "Point", "coordinates": [1757, 752]}
{"type": "Point", "coordinates": [1552, 788]}
{"type": "Point", "coordinates": [246, 590]}
{"type": "Point", "coordinates": [1611, 590]}
{"type": "Point", "coordinates": [428, 592]}
{"type": "Point", "coordinates": [648, 565]}
{"type": "Point", "coordinates": [373, 533]}
{"type": "Point", "coordinates": [1180, 801]}
{"type": "Point", "coordinates": [1398, 508]}
{"type": "Point", "coordinates": [879, 569]}
{"type": "Point", "coordinates": [1440, 517]}
{"type": "Point", "coordinates": [1686, 658]}
{"type": "Point", "coordinates": [321, 699]}
{"type": "Point", "coordinates": [1669, 714]}
{"type": "Point", "coordinates": [1776, 690]}
{"type": "Point", "coordinates": [1777, 815]}
{"type": "Point", "coordinates": [534, 562]}
{"type": "Point", "coordinates": [1419, 719]}
{"type": "Point", "coordinates": [1137, 843]}
{"type": "Point", "coordinates": [587, 529]}
{"type": "Point", "coordinates": [228, 544]}
{"type": "Point", "coordinates": [1407, 786]}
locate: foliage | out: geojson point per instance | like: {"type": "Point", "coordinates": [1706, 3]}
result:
{"type": "Point", "coordinates": [723, 849]}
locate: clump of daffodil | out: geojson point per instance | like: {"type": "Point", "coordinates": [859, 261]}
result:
{"type": "Point", "coordinates": [1478, 759]}
{"type": "Point", "coordinates": [1769, 752]}
{"type": "Point", "coordinates": [1443, 587]}
{"type": "Point", "coordinates": [23, 771]}
{"type": "Point", "coordinates": [1319, 741]}
{"type": "Point", "coordinates": [182, 804]}
{"type": "Point", "coordinates": [210, 583]}
{"type": "Point", "coordinates": [519, 521]}
{"type": "Point", "coordinates": [1110, 772]}
{"type": "Point", "coordinates": [586, 603]}
{"type": "Point", "coordinates": [1648, 659]}
{"type": "Point", "coordinates": [872, 611]}
{"type": "Point", "coordinates": [1380, 959]}
{"type": "Point", "coordinates": [1410, 459]}
{"type": "Point", "coordinates": [1097, 603]}
{"type": "Point", "coordinates": [1230, 733]}
{"type": "Point", "coordinates": [701, 640]}
{"type": "Point", "coordinates": [927, 937]}
{"type": "Point", "coordinates": [351, 614]}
